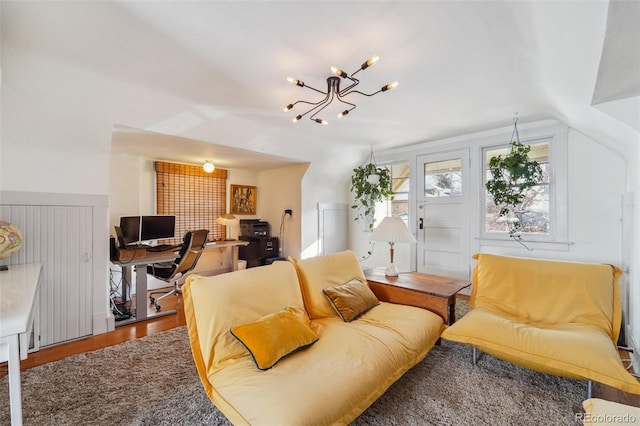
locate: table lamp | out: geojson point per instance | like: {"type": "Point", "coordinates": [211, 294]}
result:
{"type": "Point", "coordinates": [227, 220]}
{"type": "Point", "coordinates": [392, 230]}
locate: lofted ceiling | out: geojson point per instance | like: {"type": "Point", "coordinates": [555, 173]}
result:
{"type": "Point", "coordinates": [213, 73]}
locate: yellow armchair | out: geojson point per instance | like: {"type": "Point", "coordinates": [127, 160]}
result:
{"type": "Point", "coordinates": [560, 318]}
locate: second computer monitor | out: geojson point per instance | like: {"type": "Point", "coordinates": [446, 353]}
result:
{"type": "Point", "coordinates": [157, 227]}
{"type": "Point", "coordinates": [130, 226]}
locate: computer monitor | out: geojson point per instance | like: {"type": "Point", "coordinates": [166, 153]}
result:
{"type": "Point", "coordinates": [130, 226]}
{"type": "Point", "coordinates": [157, 227]}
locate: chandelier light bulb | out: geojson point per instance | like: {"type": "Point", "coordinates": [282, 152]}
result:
{"type": "Point", "coordinates": [297, 118]}
{"type": "Point", "coordinates": [337, 71]}
{"type": "Point", "coordinates": [288, 107]}
{"type": "Point", "coordinates": [321, 121]}
{"type": "Point", "coordinates": [295, 81]}
{"type": "Point", "coordinates": [343, 113]}
{"type": "Point", "coordinates": [389, 86]}
{"type": "Point", "coordinates": [370, 62]}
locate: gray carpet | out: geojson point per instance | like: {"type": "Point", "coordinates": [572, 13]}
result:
{"type": "Point", "coordinates": [152, 381]}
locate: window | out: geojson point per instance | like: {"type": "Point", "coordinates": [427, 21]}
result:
{"type": "Point", "coordinates": [194, 197]}
{"type": "Point", "coordinates": [399, 206]}
{"type": "Point", "coordinates": [535, 215]}
{"type": "Point", "coordinates": [443, 178]}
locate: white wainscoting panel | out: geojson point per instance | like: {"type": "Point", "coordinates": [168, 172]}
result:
{"type": "Point", "coordinates": [61, 238]}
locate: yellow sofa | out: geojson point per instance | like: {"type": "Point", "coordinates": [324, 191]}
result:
{"type": "Point", "coordinates": [561, 318]}
{"type": "Point", "coordinates": [329, 381]}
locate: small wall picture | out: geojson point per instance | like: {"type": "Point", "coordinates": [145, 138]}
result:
{"type": "Point", "coordinates": [243, 199]}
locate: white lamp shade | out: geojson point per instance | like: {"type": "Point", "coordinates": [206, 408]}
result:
{"type": "Point", "coordinates": [392, 230]}
{"type": "Point", "coordinates": [227, 219]}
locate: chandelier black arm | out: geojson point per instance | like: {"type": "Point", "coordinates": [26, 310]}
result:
{"type": "Point", "coordinates": [360, 93]}
{"type": "Point", "coordinates": [345, 102]}
{"type": "Point", "coordinates": [321, 107]}
{"type": "Point", "coordinates": [313, 88]}
{"type": "Point", "coordinates": [346, 90]}
{"type": "Point", "coordinates": [355, 72]}
{"type": "Point", "coordinates": [309, 103]}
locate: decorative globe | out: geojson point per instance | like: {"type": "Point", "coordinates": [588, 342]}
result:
{"type": "Point", "coordinates": [10, 239]}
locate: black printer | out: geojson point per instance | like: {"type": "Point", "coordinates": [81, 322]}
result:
{"type": "Point", "coordinates": [254, 228]}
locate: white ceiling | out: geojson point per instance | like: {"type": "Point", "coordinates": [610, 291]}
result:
{"type": "Point", "coordinates": [215, 71]}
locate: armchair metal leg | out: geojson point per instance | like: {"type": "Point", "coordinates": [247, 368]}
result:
{"type": "Point", "coordinates": [589, 389]}
{"type": "Point", "coordinates": [475, 356]}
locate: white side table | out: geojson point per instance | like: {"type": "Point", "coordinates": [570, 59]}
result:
{"type": "Point", "coordinates": [18, 292]}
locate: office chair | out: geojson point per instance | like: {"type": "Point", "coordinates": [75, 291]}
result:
{"type": "Point", "coordinates": [192, 246]}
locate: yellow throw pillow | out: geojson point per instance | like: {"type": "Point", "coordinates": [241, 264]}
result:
{"type": "Point", "coordinates": [352, 299]}
{"type": "Point", "coordinates": [273, 337]}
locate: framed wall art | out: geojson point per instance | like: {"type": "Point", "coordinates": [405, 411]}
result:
{"type": "Point", "coordinates": [243, 199]}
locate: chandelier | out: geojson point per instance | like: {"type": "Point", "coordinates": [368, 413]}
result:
{"type": "Point", "coordinates": [335, 93]}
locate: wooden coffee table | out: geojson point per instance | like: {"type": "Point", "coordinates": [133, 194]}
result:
{"type": "Point", "coordinates": [433, 292]}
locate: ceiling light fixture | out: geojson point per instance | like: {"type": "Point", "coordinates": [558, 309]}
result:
{"type": "Point", "coordinates": [208, 166]}
{"type": "Point", "coordinates": [335, 93]}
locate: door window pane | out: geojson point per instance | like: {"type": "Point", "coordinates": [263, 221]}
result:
{"type": "Point", "coordinates": [443, 178]}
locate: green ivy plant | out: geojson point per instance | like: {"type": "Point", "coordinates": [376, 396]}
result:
{"type": "Point", "coordinates": [367, 194]}
{"type": "Point", "coordinates": [512, 176]}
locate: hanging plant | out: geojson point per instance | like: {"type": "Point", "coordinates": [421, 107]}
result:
{"type": "Point", "coordinates": [512, 176]}
{"type": "Point", "coordinates": [370, 184]}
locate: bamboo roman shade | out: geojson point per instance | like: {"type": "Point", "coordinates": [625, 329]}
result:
{"type": "Point", "coordinates": [194, 197]}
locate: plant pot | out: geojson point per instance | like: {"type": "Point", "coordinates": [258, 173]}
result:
{"type": "Point", "coordinates": [373, 179]}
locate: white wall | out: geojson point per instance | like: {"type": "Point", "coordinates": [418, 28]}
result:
{"type": "Point", "coordinates": [281, 189]}
{"type": "Point", "coordinates": [326, 182]}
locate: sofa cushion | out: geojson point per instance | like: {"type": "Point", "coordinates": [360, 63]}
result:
{"type": "Point", "coordinates": [577, 350]}
{"type": "Point", "coordinates": [352, 299]}
{"type": "Point", "coordinates": [273, 337]}
{"type": "Point", "coordinates": [215, 304]}
{"type": "Point", "coordinates": [318, 273]}
{"type": "Point", "coordinates": [334, 380]}
{"type": "Point", "coordinates": [546, 291]}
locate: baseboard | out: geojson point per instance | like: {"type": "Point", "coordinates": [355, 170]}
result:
{"type": "Point", "coordinates": [103, 322]}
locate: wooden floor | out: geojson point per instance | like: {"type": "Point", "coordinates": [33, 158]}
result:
{"type": "Point", "coordinates": [157, 325]}
{"type": "Point", "coordinates": [119, 335]}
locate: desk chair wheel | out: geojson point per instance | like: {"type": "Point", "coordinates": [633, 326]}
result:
{"type": "Point", "coordinates": [193, 243]}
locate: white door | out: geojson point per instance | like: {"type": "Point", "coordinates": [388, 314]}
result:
{"type": "Point", "coordinates": [443, 214]}
{"type": "Point", "coordinates": [332, 224]}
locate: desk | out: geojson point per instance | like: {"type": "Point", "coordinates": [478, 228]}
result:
{"type": "Point", "coordinates": [432, 292]}
{"type": "Point", "coordinates": [141, 282]}
{"type": "Point", "coordinates": [233, 244]}
{"type": "Point", "coordinates": [150, 257]}
{"type": "Point", "coordinates": [18, 292]}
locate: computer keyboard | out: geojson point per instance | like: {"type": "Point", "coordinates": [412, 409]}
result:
{"type": "Point", "coordinates": [162, 247]}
